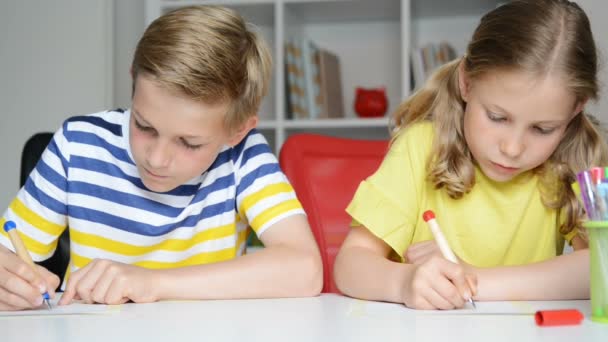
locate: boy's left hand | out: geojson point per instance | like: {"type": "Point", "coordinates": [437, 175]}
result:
{"type": "Point", "coordinates": [109, 282]}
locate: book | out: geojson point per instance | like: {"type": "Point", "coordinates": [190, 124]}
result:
{"type": "Point", "coordinates": [330, 85]}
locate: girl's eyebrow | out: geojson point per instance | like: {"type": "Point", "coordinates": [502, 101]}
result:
{"type": "Point", "coordinates": [500, 109]}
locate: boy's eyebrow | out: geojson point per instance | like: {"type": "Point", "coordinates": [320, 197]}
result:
{"type": "Point", "coordinates": [134, 111]}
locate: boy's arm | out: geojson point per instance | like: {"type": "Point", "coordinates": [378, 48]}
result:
{"type": "Point", "coordinates": [563, 277]}
{"type": "Point", "coordinates": [288, 266]}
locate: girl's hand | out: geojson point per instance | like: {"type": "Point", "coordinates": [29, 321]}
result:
{"type": "Point", "coordinates": [20, 286]}
{"type": "Point", "coordinates": [420, 252]}
{"type": "Point", "coordinates": [109, 282]}
{"type": "Point", "coordinates": [438, 283]}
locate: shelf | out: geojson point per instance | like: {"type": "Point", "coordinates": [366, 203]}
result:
{"type": "Point", "coordinates": [337, 123]}
{"type": "Point", "coordinates": [335, 11]}
{"type": "Point", "coordinates": [452, 8]}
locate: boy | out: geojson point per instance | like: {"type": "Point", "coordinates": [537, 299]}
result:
{"type": "Point", "coordinates": [158, 198]}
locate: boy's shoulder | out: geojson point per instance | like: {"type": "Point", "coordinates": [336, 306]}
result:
{"type": "Point", "coordinates": [253, 150]}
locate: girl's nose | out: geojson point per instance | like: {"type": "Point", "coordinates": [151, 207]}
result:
{"type": "Point", "coordinates": [512, 146]}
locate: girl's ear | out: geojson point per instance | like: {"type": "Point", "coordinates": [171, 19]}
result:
{"type": "Point", "coordinates": [242, 131]}
{"type": "Point", "coordinates": [580, 105]}
{"type": "Point", "coordinates": [463, 81]}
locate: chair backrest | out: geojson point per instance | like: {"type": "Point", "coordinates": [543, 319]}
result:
{"type": "Point", "coordinates": [325, 173]}
{"type": "Point", "coordinates": [32, 151]}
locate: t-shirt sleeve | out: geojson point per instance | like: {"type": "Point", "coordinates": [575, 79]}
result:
{"type": "Point", "coordinates": [263, 193]}
{"type": "Point", "coordinates": [387, 203]}
{"type": "Point", "coordinates": [39, 210]}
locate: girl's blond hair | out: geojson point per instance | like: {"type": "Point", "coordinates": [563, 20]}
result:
{"type": "Point", "coordinates": [540, 37]}
{"type": "Point", "coordinates": [209, 54]}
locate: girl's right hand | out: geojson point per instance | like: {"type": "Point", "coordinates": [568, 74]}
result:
{"type": "Point", "coordinates": [438, 284]}
{"type": "Point", "coordinates": [20, 287]}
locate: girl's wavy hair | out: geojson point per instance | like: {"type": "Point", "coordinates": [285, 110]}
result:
{"type": "Point", "coordinates": [540, 37]}
{"type": "Point", "coordinates": [207, 53]}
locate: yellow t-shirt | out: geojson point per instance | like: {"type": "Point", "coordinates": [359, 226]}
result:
{"type": "Point", "coordinates": [494, 224]}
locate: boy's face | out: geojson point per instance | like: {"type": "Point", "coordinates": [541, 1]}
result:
{"type": "Point", "coordinates": [514, 122]}
{"type": "Point", "coordinates": [173, 139]}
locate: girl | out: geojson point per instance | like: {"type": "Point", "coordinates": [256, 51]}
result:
{"type": "Point", "coordinates": [491, 143]}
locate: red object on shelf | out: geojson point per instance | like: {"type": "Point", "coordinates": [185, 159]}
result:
{"type": "Point", "coordinates": [370, 103]}
{"type": "Point", "coordinates": [548, 318]}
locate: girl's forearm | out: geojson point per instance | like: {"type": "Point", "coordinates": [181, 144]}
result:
{"type": "Point", "coordinates": [363, 274]}
{"type": "Point", "coordinates": [272, 272]}
{"type": "Point", "coordinates": [561, 278]}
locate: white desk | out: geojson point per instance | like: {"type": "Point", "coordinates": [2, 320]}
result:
{"type": "Point", "coordinates": [324, 318]}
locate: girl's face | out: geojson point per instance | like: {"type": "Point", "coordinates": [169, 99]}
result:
{"type": "Point", "coordinates": [513, 122]}
{"type": "Point", "coordinates": [174, 139]}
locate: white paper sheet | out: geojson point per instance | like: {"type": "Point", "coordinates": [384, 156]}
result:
{"type": "Point", "coordinates": [365, 308]}
{"type": "Point", "coordinates": [75, 308]}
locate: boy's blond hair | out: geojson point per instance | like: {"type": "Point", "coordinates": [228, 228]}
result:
{"type": "Point", "coordinates": [540, 37]}
{"type": "Point", "coordinates": [209, 54]}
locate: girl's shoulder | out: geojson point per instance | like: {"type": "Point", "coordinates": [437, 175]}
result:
{"type": "Point", "coordinates": [419, 134]}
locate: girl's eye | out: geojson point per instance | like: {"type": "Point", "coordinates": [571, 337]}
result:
{"type": "Point", "coordinates": [495, 117]}
{"type": "Point", "coordinates": [542, 130]}
{"type": "Point", "coordinates": [190, 146]}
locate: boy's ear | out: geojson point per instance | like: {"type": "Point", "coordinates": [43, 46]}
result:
{"type": "Point", "coordinates": [242, 131]}
{"type": "Point", "coordinates": [463, 82]}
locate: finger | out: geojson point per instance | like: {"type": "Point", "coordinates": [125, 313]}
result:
{"type": "Point", "coordinates": [116, 293]}
{"type": "Point", "coordinates": [24, 271]}
{"type": "Point", "coordinates": [420, 303]}
{"type": "Point", "coordinates": [455, 273]}
{"type": "Point", "coordinates": [100, 291]}
{"type": "Point", "coordinates": [52, 280]}
{"type": "Point", "coordinates": [15, 285]}
{"type": "Point", "coordinates": [70, 289]}
{"type": "Point", "coordinates": [88, 283]}
{"type": "Point", "coordinates": [437, 300]}
{"type": "Point", "coordinates": [11, 301]}
{"type": "Point", "coordinates": [448, 292]}
{"type": "Point", "coordinates": [472, 282]}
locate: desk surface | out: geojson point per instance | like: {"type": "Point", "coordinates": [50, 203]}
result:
{"type": "Point", "coordinates": [325, 318]}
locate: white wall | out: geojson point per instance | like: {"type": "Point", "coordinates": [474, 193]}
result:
{"type": "Point", "coordinates": [597, 10]}
{"type": "Point", "coordinates": [55, 62]}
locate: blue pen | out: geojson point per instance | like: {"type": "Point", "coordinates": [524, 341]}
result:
{"type": "Point", "coordinates": [11, 229]}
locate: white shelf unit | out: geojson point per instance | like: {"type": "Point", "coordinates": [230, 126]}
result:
{"type": "Point", "coordinates": [372, 39]}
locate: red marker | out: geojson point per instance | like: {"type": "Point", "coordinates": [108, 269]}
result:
{"type": "Point", "coordinates": [429, 218]}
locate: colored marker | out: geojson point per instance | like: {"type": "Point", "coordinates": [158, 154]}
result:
{"type": "Point", "coordinates": [442, 242]}
{"type": "Point", "coordinates": [11, 229]}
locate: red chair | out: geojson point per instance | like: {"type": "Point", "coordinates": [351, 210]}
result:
{"type": "Point", "coordinates": [325, 173]}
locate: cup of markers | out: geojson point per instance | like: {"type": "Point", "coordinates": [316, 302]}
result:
{"type": "Point", "coordinates": [593, 186]}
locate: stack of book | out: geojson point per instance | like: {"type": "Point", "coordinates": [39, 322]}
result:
{"type": "Point", "coordinates": [426, 59]}
{"type": "Point", "coordinates": [313, 82]}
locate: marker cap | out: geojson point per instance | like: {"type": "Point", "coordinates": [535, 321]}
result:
{"type": "Point", "coordinates": [547, 318]}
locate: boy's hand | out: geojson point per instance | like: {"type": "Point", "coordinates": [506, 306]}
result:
{"type": "Point", "coordinates": [438, 284]}
{"type": "Point", "coordinates": [20, 287]}
{"type": "Point", "coordinates": [109, 282]}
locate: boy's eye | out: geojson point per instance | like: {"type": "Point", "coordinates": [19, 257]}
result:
{"type": "Point", "coordinates": [142, 127]}
{"type": "Point", "coordinates": [190, 146]}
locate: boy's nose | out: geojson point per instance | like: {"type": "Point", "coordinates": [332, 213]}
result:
{"type": "Point", "coordinates": [159, 154]}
